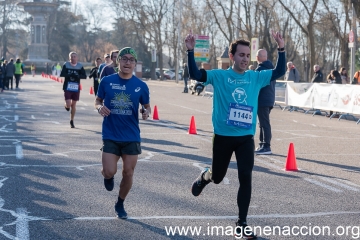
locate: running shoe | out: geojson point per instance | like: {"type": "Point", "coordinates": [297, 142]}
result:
{"type": "Point", "coordinates": [261, 145]}
{"type": "Point", "coordinates": [264, 151]}
{"type": "Point", "coordinates": [72, 124]}
{"type": "Point", "coordinates": [67, 109]}
{"type": "Point", "coordinates": [243, 231]}
{"type": "Point", "coordinates": [199, 183]}
{"type": "Point", "coordinates": [120, 211]}
{"type": "Point", "coordinates": [109, 183]}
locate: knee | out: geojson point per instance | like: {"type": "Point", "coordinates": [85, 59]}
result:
{"type": "Point", "coordinates": [245, 176]}
{"type": "Point", "coordinates": [128, 173]}
{"type": "Point", "coordinates": [109, 173]}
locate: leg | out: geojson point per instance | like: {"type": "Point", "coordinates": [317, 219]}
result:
{"type": "Point", "coordinates": [245, 163]}
{"type": "Point", "coordinates": [73, 110]}
{"type": "Point", "coordinates": [17, 80]}
{"type": "Point", "coordinates": [261, 112]}
{"type": "Point", "coordinates": [223, 148]}
{"type": "Point", "coordinates": [129, 163]}
{"type": "Point", "coordinates": [109, 163]}
{"type": "Point", "coordinates": [222, 151]}
{"type": "Point", "coordinates": [11, 81]}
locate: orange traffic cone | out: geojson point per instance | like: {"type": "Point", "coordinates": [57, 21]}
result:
{"type": "Point", "coordinates": [155, 115]}
{"type": "Point", "coordinates": [291, 159]}
{"type": "Point", "coordinates": [91, 91]}
{"type": "Point", "coordinates": [192, 128]}
{"type": "Point", "coordinates": [80, 86]}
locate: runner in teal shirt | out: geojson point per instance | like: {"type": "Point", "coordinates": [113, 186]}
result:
{"type": "Point", "coordinates": [235, 103]}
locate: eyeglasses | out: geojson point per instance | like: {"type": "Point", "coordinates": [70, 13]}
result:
{"type": "Point", "coordinates": [125, 60]}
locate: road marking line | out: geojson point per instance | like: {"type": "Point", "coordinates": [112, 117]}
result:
{"type": "Point", "coordinates": [19, 151]}
{"type": "Point", "coordinates": [22, 224]}
{"type": "Point", "coordinates": [338, 183]}
{"type": "Point", "coordinates": [322, 185]}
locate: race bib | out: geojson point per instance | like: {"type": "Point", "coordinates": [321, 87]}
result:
{"type": "Point", "coordinates": [240, 115]}
{"type": "Point", "coordinates": [73, 86]}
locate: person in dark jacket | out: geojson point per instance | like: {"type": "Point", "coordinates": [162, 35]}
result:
{"type": "Point", "coordinates": [95, 75]}
{"type": "Point", "coordinates": [185, 77]}
{"type": "Point", "coordinates": [266, 102]}
{"type": "Point", "coordinates": [318, 75]}
{"type": "Point", "coordinates": [10, 71]}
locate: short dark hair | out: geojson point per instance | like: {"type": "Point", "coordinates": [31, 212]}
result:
{"type": "Point", "coordinates": [234, 44]}
{"type": "Point", "coordinates": [98, 59]}
{"type": "Point", "coordinates": [112, 52]}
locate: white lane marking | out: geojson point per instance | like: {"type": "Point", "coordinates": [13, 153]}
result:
{"type": "Point", "coordinates": [47, 114]}
{"type": "Point", "coordinates": [52, 122]}
{"type": "Point", "coordinates": [271, 165]}
{"type": "Point", "coordinates": [338, 183]}
{"type": "Point", "coordinates": [348, 182]}
{"type": "Point", "coordinates": [147, 158]}
{"type": "Point", "coordinates": [19, 151]}
{"type": "Point", "coordinates": [16, 118]}
{"type": "Point", "coordinates": [198, 166]}
{"type": "Point", "coordinates": [322, 185]}
{"type": "Point", "coordinates": [300, 215]}
{"type": "Point", "coordinates": [85, 104]}
{"type": "Point", "coordinates": [22, 224]}
{"type": "Point", "coordinates": [3, 128]}
{"type": "Point", "coordinates": [32, 117]}
{"type": "Point", "coordinates": [226, 181]}
{"type": "Point", "coordinates": [82, 108]}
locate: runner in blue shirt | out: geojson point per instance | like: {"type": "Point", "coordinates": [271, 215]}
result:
{"type": "Point", "coordinates": [235, 103]}
{"type": "Point", "coordinates": [118, 99]}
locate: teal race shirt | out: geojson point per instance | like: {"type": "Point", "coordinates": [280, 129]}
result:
{"type": "Point", "coordinates": [122, 97]}
{"type": "Point", "coordinates": [235, 100]}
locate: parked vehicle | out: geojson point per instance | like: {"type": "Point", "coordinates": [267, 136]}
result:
{"type": "Point", "coordinates": [196, 87]}
{"type": "Point", "coordinates": [171, 74]}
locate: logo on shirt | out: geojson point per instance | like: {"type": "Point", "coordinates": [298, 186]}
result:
{"type": "Point", "coordinates": [137, 89]}
{"type": "Point", "coordinates": [117, 86]}
{"type": "Point", "coordinates": [238, 81]}
{"type": "Point", "coordinates": [239, 95]}
{"type": "Point", "coordinates": [121, 104]}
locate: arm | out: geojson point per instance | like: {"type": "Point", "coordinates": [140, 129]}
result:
{"type": "Point", "coordinates": [63, 72]}
{"type": "Point", "coordinates": [146, 111]}
{"type": "Point", "coordinates": [99, 106]}
{"type": "Point", "coordinates": [194, 72]}
{"type": "Point", "coordinates": [280, 68]}
{"type": "Point", "coordinates": [82, 73]}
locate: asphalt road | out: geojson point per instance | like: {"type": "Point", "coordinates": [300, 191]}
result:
{"type": "Point", "coordinates": [51, 186]}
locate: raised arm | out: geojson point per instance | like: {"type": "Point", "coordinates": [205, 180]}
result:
{"type": "Point", "coordinates": [194, 72]}
{"type": "Point", "coordinates": [280, 67]}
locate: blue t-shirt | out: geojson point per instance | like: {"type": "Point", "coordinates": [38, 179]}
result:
{"type": "Point", "coordinates": [235, 100]}
{"type": "Point", "coordinates": [122, 97]}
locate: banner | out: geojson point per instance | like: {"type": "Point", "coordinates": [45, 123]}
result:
{"type": "Point", "coordinates": [344, 98]}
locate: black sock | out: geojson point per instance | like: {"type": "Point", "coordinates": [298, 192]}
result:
{"type": "Point", "coordinates": [121, 201]}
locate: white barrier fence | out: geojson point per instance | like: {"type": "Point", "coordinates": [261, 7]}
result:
{"type": "Point", "coordinates": [318, 97]}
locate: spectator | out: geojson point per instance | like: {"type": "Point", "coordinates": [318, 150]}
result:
{"type": "Point", "coordinates": [318, 76]}
{"type": "Point", "coordinates": [19, 70]}
{"type": "Point", "coordinates": [344, 77]}
{"type": "Point", "coordinates": [33, 68]}
{"type": "Point", "coordinates": [5, 84]}
{"type": "Point", "coordinates": [335, 78]}
{"type": "Point", "coordinates": [251, 67]}
{"type": "Point", "coordinates": [292, 74]}
{"type": "Point", "coordinates": [1, 77]}
{"type": "Point", "coordinates": [185, 77]}
{"type": "Point", "coordinates": [266, 102]}
{"type": "Point", "coordinates": [10, 71]}
{"type": "Point", "coordinates": [356, 79]}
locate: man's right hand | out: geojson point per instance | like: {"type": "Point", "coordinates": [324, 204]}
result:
{"type": "Point", "coordinates": [190, 41]}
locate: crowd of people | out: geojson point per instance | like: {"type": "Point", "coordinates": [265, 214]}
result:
{"type": "Point", "coordinates": [9, 70]}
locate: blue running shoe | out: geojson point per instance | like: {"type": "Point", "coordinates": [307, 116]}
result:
{"type": "Point", "coordinates": [120, 211]}
{"type": "Point", "coordinates": [109, 183]}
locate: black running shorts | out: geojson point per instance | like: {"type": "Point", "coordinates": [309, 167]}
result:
{"type": "Point", "coordinates": [120, 148]}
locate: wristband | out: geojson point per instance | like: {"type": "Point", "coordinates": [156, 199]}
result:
{"type": "Point", "coordinates": [190, 50]}
{"type": "Point", "coordinates": [99, 108]}
{"type": "Point", "coordinates": [281, 49]}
